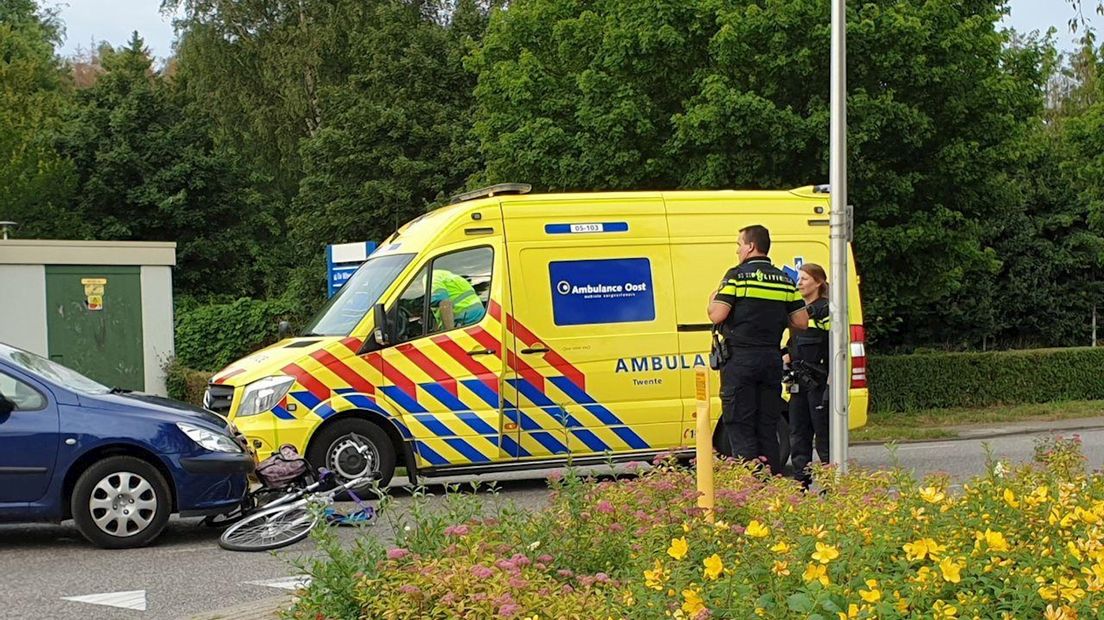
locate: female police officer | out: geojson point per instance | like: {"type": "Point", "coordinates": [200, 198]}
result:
{"type": "Point", "coordinates": [808, 356]}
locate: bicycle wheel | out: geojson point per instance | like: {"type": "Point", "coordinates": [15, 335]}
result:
{"type": "Point", "coordinates": [269, 529]}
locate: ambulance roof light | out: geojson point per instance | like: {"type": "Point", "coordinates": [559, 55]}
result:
{"type": "Point", "coordinates": [494, 190]}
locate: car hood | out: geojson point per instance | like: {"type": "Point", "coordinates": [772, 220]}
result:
{"type": "Point", "coordinates": [148, 405]}
{"type": "Point", "coordinates": [271, 360]}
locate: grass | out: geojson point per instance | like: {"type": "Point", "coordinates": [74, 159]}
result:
{"type": "Point", "coordinates": [941, 423]}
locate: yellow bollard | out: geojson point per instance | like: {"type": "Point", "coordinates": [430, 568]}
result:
{"type": "Point", "coordinates": [704, 436]}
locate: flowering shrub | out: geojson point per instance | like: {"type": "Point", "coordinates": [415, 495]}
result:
{"type": "Point", "coordinates": [1019, 541]}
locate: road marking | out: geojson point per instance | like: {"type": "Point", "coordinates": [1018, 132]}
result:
{"type": "Point", "coordinates": [284, 583]}
{"type": "Point", "coordinates": [134, 599]}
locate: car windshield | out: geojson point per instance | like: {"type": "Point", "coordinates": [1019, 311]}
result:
{"type": "Point", "coordinates": [342, 313]}
{"type": "Point", "coordinates": [51, 371]}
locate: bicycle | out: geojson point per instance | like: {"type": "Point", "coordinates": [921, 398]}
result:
{"type": "Point", "coordinates": [289, 519]}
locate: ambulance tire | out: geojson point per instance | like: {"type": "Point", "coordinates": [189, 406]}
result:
{"type": "Point", "coordinates": [334, 449]}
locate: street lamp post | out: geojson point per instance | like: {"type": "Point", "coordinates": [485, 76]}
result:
{"type": "Point", "coordinates": [839, 384]}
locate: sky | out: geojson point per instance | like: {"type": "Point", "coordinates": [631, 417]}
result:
{"type": "Point", "coordinates": [87, 21]}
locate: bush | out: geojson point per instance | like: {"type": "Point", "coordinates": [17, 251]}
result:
{"type": "Point", "coordinates": [941, 380]}
{"type": "Point", "coordinates": [213, 335]}
{"type": "Point", "coordinates": [186, 384]}
{"type": "Point", "coordinates": [1020, 541]}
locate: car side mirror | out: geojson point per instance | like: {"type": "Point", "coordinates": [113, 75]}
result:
{"type": "Point", "coordinates": [6, 407]}
{"type": "Point", "coordinates": [381, 332]}
{"type": "Point", "coordinates": [283, 328]}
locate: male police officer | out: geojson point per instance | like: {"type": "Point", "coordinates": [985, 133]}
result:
{"type": "Point", "coordinates": [755, 303]}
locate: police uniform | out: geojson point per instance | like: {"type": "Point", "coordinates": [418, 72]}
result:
{"type": "Point", "coordinates": [808, 408]}
{"type": "Point", "coordinates": [761, 298]}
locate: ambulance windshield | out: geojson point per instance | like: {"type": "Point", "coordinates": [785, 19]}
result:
{"type": "Point", "coordinates": [346, 308]}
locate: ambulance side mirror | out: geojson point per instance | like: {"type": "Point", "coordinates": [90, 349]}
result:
{"type": "Point", "coordinates": [381, 331]}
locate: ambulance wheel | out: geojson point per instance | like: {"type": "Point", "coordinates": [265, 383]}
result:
{"type": "Point", "coordinates": [351, 448]}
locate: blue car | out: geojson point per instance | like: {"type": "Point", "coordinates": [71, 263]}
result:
{"type": "Point", "coordinates": [117, 463]}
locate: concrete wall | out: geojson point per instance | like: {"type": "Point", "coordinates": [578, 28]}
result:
{"type": "Point", "coordinates": [157, 325]}
{"type": "Point", "coordinates": [23, 307]}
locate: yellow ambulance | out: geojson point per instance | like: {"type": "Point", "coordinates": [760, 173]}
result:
{"type": "Point", "coordinates": [511, 330]}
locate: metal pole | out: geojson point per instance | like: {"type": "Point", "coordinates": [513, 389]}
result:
{"type": "Point", "coordinates": [1094, 326]}
{"type": "Point", "coordinates": [839, 382]}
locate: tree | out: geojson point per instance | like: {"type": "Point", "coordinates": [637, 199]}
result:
{"type": "Point", "coordinates": [147, 170]}
{"type": "Point", "coordinates": [35, 184]}
{"type": "Point", "coordinates": [734, 94]}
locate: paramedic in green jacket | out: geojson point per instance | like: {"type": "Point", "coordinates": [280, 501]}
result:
{"type": "Point", "coordinates": [454, 300]}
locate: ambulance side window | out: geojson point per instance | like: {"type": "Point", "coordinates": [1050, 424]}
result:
{"type": "Point", "coordinates": [461, 289]}
{"type": "Point", "coordinates": [410, 318]}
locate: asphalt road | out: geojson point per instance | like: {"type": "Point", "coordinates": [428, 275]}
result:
{"type": "Point", "coordinates": [186, 573]}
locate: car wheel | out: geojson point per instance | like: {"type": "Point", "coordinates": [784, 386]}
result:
{"type": "Point", "coordinates": [352, 448]}
{"type": "Point", "coordinates": [121, 502]}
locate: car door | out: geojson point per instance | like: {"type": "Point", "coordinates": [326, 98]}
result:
{"type": "Point", "coordinates": [445, 370]}
{"type": "Point", "coordinates": [28, 439]}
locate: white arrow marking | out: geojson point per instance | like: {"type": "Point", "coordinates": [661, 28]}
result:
{"type": "Point", "coordinates": [134, 599]}
{"type": "Point", "coordinates": [284, 583]}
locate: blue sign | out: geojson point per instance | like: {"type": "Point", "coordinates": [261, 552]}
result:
{"type": "Point", "coordinates": [588, 292]}
{"type": "Point", "coordinates": [591, 227]}
{"type": "Point", "coordinates": [342, 261]}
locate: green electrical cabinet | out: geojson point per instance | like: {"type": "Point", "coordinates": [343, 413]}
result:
{"type": "Point", "coordinates": [94, 322]}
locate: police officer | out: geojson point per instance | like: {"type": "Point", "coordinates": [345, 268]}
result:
{"type": "Point", "coordinates": [807, 352]}
{"type": "Point", "coordinates": [754, 305]}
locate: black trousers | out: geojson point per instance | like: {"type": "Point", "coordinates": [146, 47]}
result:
{"type": "Point", "coordinates": [751, 402]}
{"type": "Point", "coordinates": [808, 426]}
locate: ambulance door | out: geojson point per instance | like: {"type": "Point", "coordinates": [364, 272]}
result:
{"type": "Point", "coordinates": [446, 378]}
{"type": "Point", "coordinates": [593, 365]}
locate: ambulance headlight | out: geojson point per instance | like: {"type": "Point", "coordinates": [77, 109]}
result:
{"type": "Point", "coordinates": [264, 394]}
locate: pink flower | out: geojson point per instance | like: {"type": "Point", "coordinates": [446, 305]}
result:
{"type": "Point", "coordinates": [509, 610]}
{"type": "Point", "coordinates": [409, 589]}
{"type": "Point", "coordinates": [605, 507]}
{"type": "Point", "coordinates": [616, 528]}
{"type": "Point", "coordinates": [520, 560]}
{"type": "Point", "coordinates": [565, 573]}
{"type": "Point", "coordinates": [632, 466]}
{"type": "Point", "coordinates": [546, 559]}
{"type": "Point", "coordinates": [449, 598]}
{"type": "Point", "coordinates": [456, 530]}
{"type": "Point", "coordinates": [555, 476]}
{"type": "Point", "coordinates": [481, 572]}
{"type": "Point", "coordinates": [397, 553]}
{"type": "Point", "coordinates": [518, 582]}
{"type": "Point", "coordinates": [566, 589]}
{"type": "Point", "coordinates": [586, 581]}
{"type": "Point", "coordinates": [602, 578]}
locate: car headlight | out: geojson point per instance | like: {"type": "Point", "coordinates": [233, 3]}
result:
{"type": "Point", "coordinates": [209, 440]}
{"type": "Point", "coordinates": [264, 394]}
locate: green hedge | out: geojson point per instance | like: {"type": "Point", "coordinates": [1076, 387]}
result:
{"type": "Point", "coordinates": [211, 336]}
{"type": "Point", "coordinates": [940, 380]}
{"type": "Point", "coordinates": [186, 384]}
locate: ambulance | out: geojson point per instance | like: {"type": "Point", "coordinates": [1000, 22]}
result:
{"type": "Point", "coordinates": [590, 321]}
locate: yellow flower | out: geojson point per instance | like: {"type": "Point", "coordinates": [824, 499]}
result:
{"type": "Point", "coordinates": [932, 495]}
{"type": "Point", "coordinates": [1074, 551]}
{"type": "Point", "coordinates": [873, 595]}
{"type": "Point", "coordinates": [816, 572]}
{"type": "Point", "coordinates": [951, 570]}
{"type": "Point", "coordinates": [781, 547]}
{"type": "Point", "coordinates": [1087, 516]}
{"type": "Point", "coordinates": [852, 612]}
{"type": "Point", "coordinates": [920, 549]}
{"type": "Point", "coordinates": [720, 525]}
{"type": "Point", "coordinates": [1064, 588]}
{"type": "Point", "coordinates": [713, 566]}
{"type": "Point", "coordinates": [825, 553]}
{"type": "Point", "coordinates": [756, 529]}
{"type": "Point", "coordinates": [1010, 499]}
{"type": "Point", "coordinates": [780, 568]}
{"type": "Point", "coordinates": [816, 531]}
{"type": "Point", "coordinates": [678, 549]}
{"type": "Point", "coordinates": [656, 577]}
{"type": "Point", "coordinates": [692, 603]}
{"type": "Point", "coordinates": [1038, 496]}
{"type": "Point", "coordinates": [994, 541]}
{"type": "Point", "coordinates": [944, 610]}
{"type": "Point", "coordinates": [1062, 613]}
{"type": "Point", "coordinates": [900, 604]}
